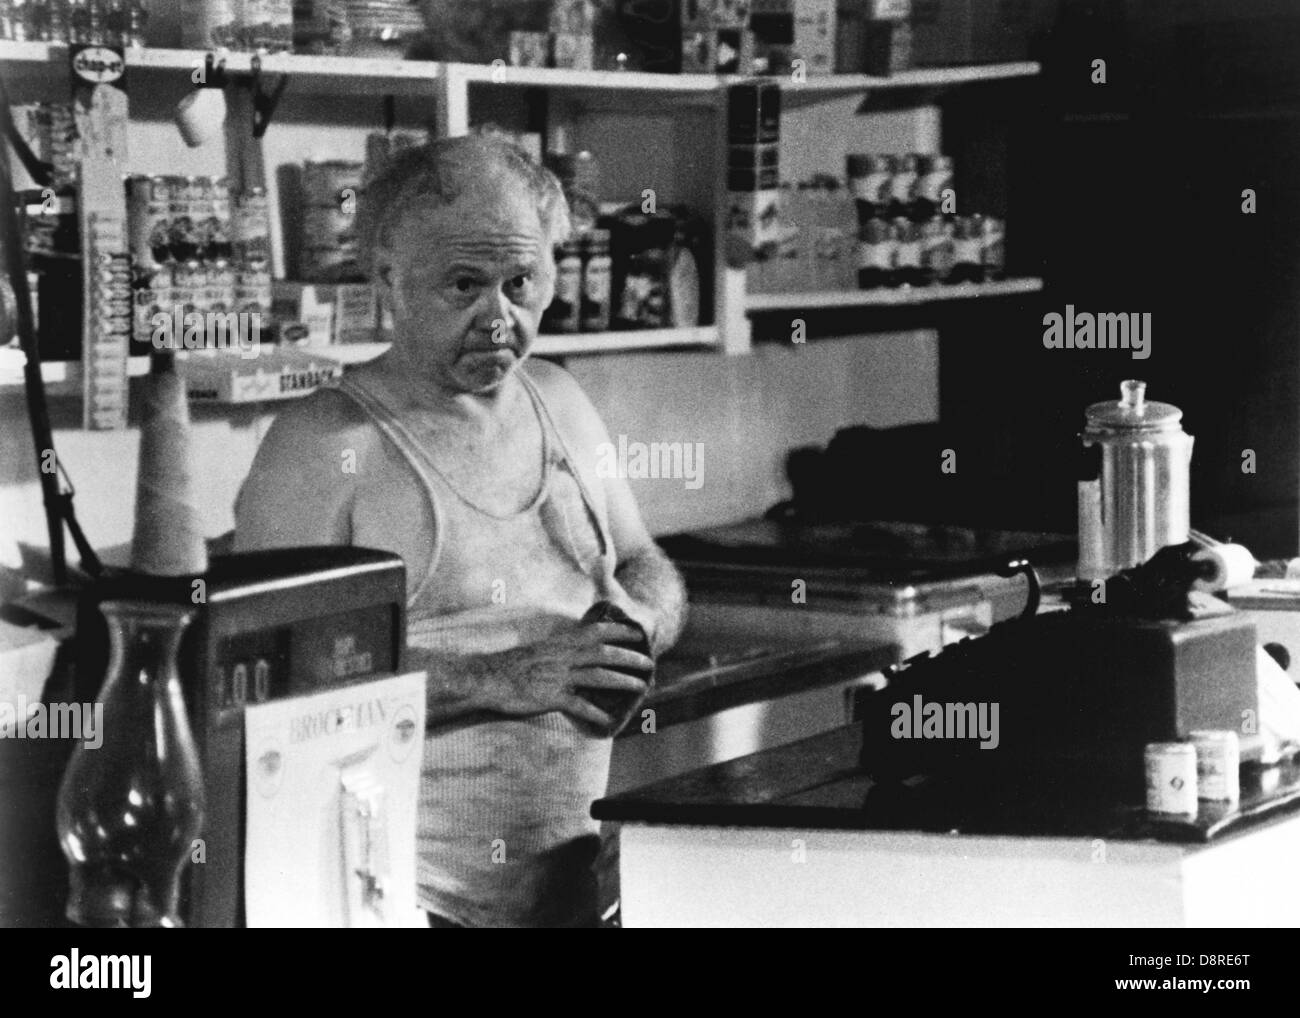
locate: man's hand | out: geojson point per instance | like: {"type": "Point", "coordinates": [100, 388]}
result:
{"type": "Point", "coordinates": [546, 676]}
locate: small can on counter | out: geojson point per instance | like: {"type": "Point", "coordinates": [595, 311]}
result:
{"type": "Point", "coordinates": [596, 271]}
{"type": "Point", "coordinates": [1218, 765]}
{"type": "Point", "coordinates": [1171, 778]}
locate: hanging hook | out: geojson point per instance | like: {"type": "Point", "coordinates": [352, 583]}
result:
{"type": "Point", "coordinates": [214, 73]}
{"type": "Point", "coordinates": [264, 103]}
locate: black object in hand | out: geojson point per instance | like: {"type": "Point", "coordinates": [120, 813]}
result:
{"type": "Point", "coordinates": [615, 702]}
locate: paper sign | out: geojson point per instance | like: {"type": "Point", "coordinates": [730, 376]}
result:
{"type": "Point", "coordinates": [333, 784]}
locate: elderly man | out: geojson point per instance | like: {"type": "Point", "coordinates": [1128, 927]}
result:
{"type": "Point", "coordinates": [481, 473]}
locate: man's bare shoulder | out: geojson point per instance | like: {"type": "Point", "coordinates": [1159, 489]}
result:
{"type": "Point", "coordinates": [324, 418]}
{"type": "Point", "coordinates": [573, 411]}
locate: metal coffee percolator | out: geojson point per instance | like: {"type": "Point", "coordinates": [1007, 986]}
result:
{"type": "Point", "coordinates": [1134, 491]}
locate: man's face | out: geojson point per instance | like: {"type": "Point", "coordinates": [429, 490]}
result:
{"type": "Point", "coordinates": [468, 284]}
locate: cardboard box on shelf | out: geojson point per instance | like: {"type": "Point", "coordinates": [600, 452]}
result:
{"type": "Point", "coordinates": [331, 313]}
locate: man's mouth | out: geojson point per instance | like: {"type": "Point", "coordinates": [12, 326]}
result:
{"type": "Point", "coordinates": [489, 346]}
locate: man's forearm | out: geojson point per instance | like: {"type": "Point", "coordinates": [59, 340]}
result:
{"type": "Point", "coordinates": [457, 685]}
{"type": "Point", "coordinates": [653, 582]}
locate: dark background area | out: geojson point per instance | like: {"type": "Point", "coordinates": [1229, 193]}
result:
{"type": "Point", "coordinates": [1127, 197]}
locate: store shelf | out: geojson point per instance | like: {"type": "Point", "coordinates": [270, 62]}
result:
{"type": "Point", "coordinates": [598, 81]}
{"type": "Point", "coordinates": [887, 297]}
{"type": "Point", "coordinates": [323, 73]}
{"type": "Point", "coordinates": [63, 378]}
{"type": "Point", "coordinates": [563, 346]}
{"type": "Point", "coordinates": [309, 73]}
{"type": "Point", "coordinates": [921, 77]}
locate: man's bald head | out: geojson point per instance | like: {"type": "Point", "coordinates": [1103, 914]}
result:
{"type": "Point", "coordinates": [440, 172]}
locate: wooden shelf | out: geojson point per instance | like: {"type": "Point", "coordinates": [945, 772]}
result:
{"type": "Point", "coordinates": [890, 297]}
{"type": "Point", "coordinates": [63, 378]}
{"type": "Point", "coordinates": [329, 74]}
{"type": "Point", "coordinates": [921, 77]}
{"type": "Point", "coordinates": [310, 73]}
{"type": "Point", "coordinates": [611, 342]}
{"type": "Point", "coordinates": [563, 345]}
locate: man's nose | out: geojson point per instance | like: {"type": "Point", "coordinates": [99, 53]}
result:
{"type": "Point", "coordinates": [493, 307]}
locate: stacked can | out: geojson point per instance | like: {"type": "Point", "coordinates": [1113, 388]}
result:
{"type": "Point", "coordinates": [907, 213]}
{"type": "Point", "coordinates": [331, 192]}
{"type": "Point", "coordinates": [91, 22]}
{"type": "Point", "coordinates": [181, 247]}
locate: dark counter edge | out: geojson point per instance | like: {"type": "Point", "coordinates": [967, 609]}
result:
{"type": "Point", "coordinates": [695, 697]}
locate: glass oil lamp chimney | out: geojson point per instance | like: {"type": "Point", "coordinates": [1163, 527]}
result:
{"type": "Point", "coordinates": [129, 810]}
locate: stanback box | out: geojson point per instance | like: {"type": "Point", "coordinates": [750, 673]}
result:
{"type": "Point", "coordinates": [269, 625]}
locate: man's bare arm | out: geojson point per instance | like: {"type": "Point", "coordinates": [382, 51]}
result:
{"type": "Point", "coordinates": [529, 680]}
{"type": "Point", "coordinates": [653, 582]}
{"type": "Point", "coordinates": [642, 569]}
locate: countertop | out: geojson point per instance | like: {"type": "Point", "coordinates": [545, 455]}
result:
{"type": "Point", "coordinates": [707, 673]}
{"type": "Point", "coordinates": [817, 783]}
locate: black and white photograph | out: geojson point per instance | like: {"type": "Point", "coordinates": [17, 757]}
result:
{"type": "Point", "coordinates": [616, 464]}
